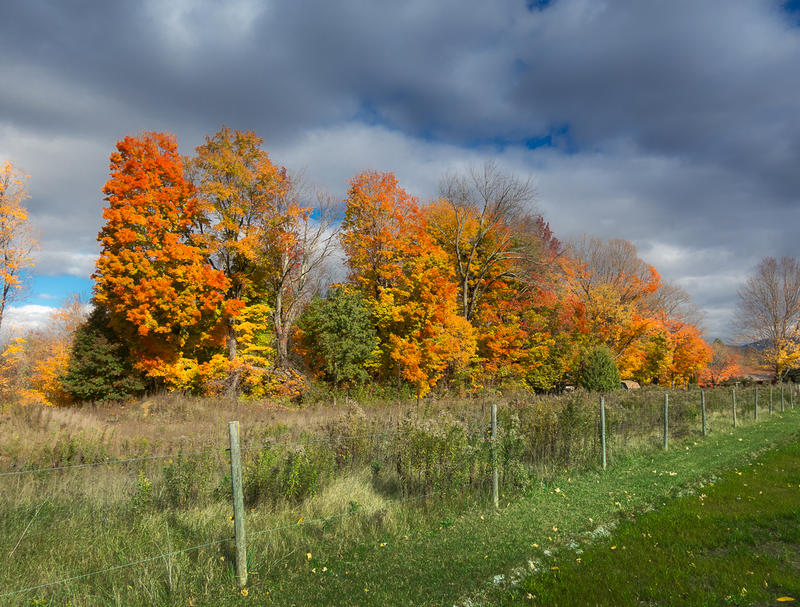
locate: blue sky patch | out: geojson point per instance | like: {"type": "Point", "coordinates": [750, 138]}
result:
{"type": "Point", "coordinates": [55, 290]}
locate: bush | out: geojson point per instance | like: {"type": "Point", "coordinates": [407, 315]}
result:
{"type": "Point", "coordinates": [286, 473]}
{"type": "Point", "coordinates": [599, 372]}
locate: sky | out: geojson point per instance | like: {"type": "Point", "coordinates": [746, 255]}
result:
{"type": "Point", "coordinates": [675, 125]}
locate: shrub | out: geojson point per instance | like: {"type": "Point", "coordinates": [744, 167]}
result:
{"type": "Point", "coordinates": [283, 473]}
{"type": "Point", "coordinates": [437, 455]}
{"type": "Point", "coordinates": [598, 371]}
{"type": "Point", "coordinates": [187, 480]}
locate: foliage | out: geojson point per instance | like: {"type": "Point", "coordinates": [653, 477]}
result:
{"type": "Point", "coordinates": [152, 277]}
{"type": "Point", "coordinates": [599, 372]}
{"type": "Point", "coordinates": [407, 279]}
{"type": "Point", "coordinates": [210, 265]}
{"type": "Point", "coordinates": [722, 367]}
{"type": "Point", "coordinates": [33, 362]}
{"type": "Point", "coordinates": [100, 367]}
{"type": "Point", "coordinates": [238, 191]}
{"type": "Point", "coordinates": [337, 336]}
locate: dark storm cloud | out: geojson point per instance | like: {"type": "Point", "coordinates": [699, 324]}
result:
{"type": "Point", "coordinates": [672, 124]}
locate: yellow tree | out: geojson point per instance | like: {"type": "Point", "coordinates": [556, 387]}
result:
{"type": "Point", "coordinates": [239, 189]}
{"type": "Point", "coordinates": [31, 364]}
{"type": "Point", "coordinates": [768, 311]}
{"type": "Point", "coordinates": [16, 239]}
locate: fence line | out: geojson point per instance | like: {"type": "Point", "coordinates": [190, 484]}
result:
{"type": "Point", "coordinates": [110, 462]}
{"type": "Point", "coordinates": [331, 439]}
{"type": "Point", "coordinates": [350, 511]}
{"type": "Point", "coordinates": [193, 453]}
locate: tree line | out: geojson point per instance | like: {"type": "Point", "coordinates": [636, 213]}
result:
{"type": "Point", "coordinates": [214, 277]}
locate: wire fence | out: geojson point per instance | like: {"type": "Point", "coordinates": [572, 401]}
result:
{"type": "Point", "coordinates": [416, 459]}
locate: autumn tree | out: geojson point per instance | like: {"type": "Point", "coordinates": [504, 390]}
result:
{"type": "Point", "coordinates": [690, 352]}
{"type": "Point", "coordinates": [611, 284]}
{"type": "Point", "coordinates": [238, 187]}
{"type": "Point", "coordinates": [768, 311]}
{"type": "Point", "coordinates": [152, 277]}
{"type": "Point", "coordinates": [480, 221]}
{"type": "Point", "coordinates": [407, 279]}
{"type": "Point", "coordinates": [32, 363]}
{"type": "Point", "coordinates": [295, 252]}
{"type": "Point", "coordinates": [381, 227]}
{"type": "Point", "coordinates": [722, 366]}
{"type": "Point", "coordinates": [16, 238]}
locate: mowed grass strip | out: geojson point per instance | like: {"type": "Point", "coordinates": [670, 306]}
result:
{"type": "Point", "coordinates": [735, 542]}
{"type": "Point", "coordinates": [467, 557]}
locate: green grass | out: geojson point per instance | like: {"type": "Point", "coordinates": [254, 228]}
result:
{"type": "Point", "coordinates": [432, 552]}
{"type": "Point", "coordinates": [733, 542]}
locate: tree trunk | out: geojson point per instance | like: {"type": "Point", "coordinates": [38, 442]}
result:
{"type": "Point", "coordinates": [281, 332]}
{"type": "Point", "coordinates": [235, 375]}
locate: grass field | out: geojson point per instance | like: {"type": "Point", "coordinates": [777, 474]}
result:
{"type": "Point", "coordinates": [445, 549]}
{"type": "Point", "coordinates": [734, 541]}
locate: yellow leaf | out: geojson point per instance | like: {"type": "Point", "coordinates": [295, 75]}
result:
{"type": "Point", "coordinates": [784, 599]}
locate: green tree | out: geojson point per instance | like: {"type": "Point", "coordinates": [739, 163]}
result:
{"type": "Point", "coordinates": [599, 372]}
{"type": "Point", "coordinates": [100, 367]}
{"type": "Point", "coordinates": [336, 336]}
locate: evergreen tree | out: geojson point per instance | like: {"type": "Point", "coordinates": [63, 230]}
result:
{"type": "Point", "coordinates": [100, 366]}
{"type": "Point", "coordinates": [599, 372]}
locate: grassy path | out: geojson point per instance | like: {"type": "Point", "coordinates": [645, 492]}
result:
{"type": "Point", "coordinates": [470, 558]}
{"type": "Point", "coordinates": [737, 542]}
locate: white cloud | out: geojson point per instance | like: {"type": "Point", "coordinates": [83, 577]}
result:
{"type": "Point", "coordinates": [23, 318]}
{"type": "Point", "coordinates": [56, 263]}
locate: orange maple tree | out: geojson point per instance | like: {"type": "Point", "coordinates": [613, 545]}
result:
{"type": "Point", "coordinates": [152, 274]}
{"type": "Point", "coordinates": [408, 281]}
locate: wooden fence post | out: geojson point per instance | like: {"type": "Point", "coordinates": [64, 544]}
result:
{"type": "Point", "coordinates": [770, 399]}
{"type": "Point", "coordinates": [603, 429]}
{"type": "Point", "coordinates": [755, 404]}
{"type": "Point", "coordinates": [734, 407]}
{"type": "Point", "coordinates": [238, 504]}
{"type": "Point", "coordinates": [703, 408]}
{"type": "Point", "coordinates": [495, 488]}
{"type": "Point", "coordinates": [783, 408]}
{"type": "Point", "coordinates": [666, 422]}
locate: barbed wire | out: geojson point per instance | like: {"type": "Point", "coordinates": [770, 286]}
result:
{"type": "Point", "coordinates": [319, 440]}
{"type": "Point", "coordinates": [111, 462]}
{"type": "Point", "coordinates": [191, 453]}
